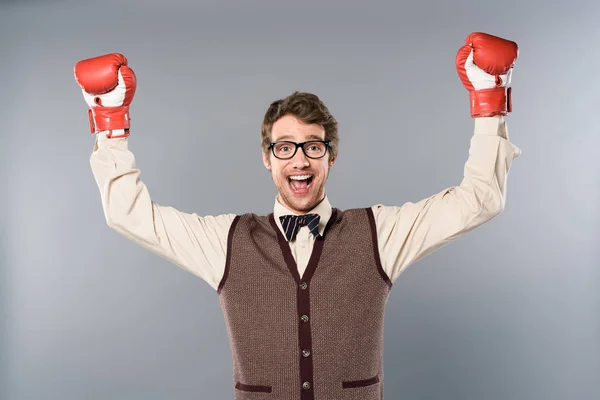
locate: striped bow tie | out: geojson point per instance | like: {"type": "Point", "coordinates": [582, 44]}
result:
{"type": "Point", "coordinates": [292, 223]}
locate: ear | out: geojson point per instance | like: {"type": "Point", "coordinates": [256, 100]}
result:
{"type": "Point", "coordinates": [266, 161]}
{"type": "Point", "coordinates": [332, 161]}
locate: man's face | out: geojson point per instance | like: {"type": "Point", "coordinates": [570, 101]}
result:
{"type": "Point", "coordinates": [293, 196]}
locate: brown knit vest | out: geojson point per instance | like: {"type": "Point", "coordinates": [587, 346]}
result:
{"type": "Point", "coordinates": [315, 337]}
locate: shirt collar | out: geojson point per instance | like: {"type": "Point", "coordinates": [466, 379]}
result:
{"type": "Point", "coordinates": [323, 209]}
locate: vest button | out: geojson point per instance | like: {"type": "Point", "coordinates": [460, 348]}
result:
{"type": "Point", "coordinates": [306, 353]}
{"type": "Point", "coordinates": [303, 286]}
{"type": "Point", "coordinates": [304, 318]}
{"type": "Point", "coordinates": [306, 385]}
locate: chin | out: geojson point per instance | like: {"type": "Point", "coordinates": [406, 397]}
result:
{"type": "Point", "coordinates": [299, 203]}
{"type": "Point", "coordinates": [306, 204]}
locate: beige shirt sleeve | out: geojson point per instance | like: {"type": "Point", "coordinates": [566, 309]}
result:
{"type": "Point", "coordinates": [195, 243]}
{"type": "Point", "coordinates": [409, 232]}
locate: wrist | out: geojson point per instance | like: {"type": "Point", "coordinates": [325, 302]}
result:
{"type": "Point", "coordinates": [490, 126]}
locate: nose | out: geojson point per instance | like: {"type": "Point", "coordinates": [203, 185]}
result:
{"type": "Point", "coordinates": [300, 160]}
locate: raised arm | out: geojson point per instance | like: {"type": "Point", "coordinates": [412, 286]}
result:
{"type": "Point", "coordinates": [409, 232]}
{"type": "Point", "coordinates": [194, 243]}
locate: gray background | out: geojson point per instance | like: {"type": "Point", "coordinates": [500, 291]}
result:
{"type": "Point", "coordinates": [510, 311]}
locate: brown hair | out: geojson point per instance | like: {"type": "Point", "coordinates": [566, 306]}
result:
{"type": "Point", "coordinates": [308, 108]}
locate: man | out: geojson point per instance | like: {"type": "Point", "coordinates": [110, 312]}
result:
{"type": "Point", "coordinates": [303, 289]}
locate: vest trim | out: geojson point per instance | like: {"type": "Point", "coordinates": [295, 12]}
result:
{"type": "Point", "coordinates": [303, 296]}
{"type": "Point", "coordinates": [385, 277]}
{"type": "Point", "coordinates": [253, 388]}
{"type": "Point", "coordinates": [360, 383]}
{"type": "Point", "coordinates": [229, 247]}
{"type": "Point", "coordinates": [314, 257]}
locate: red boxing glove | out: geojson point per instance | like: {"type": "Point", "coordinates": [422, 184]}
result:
{"type": "Point", "coordinates": [484, 65]}
{"type": "Point", "coordinates": [108, 86]}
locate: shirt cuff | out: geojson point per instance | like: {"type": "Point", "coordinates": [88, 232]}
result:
{"type": "Point", "coordinates": [491, 126]}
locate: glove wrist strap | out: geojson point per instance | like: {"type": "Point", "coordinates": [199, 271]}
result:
{"type": "Point", "coordinates": [109, 119]}
{"type": "Point", "coordinates": [490, 102]}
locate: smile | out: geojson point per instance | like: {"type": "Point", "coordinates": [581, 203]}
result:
{"type": "Point", "coordinates": [300, 183]}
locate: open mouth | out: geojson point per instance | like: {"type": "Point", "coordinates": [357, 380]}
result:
{"type": "Point", "coordinates": [300, 183]}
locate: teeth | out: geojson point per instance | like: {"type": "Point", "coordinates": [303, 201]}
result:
{"type": "Point", "coordinates": [300, 177]}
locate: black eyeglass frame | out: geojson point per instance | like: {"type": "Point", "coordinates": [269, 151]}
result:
{"type": "Point", "coordinates": [301, 145]}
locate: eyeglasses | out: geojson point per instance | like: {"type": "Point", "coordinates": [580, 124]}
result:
{"type": "Point", "coordinates": [285, 150]}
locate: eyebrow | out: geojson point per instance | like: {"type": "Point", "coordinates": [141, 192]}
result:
{"type": "Point", "coordinates": [287, 137]}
